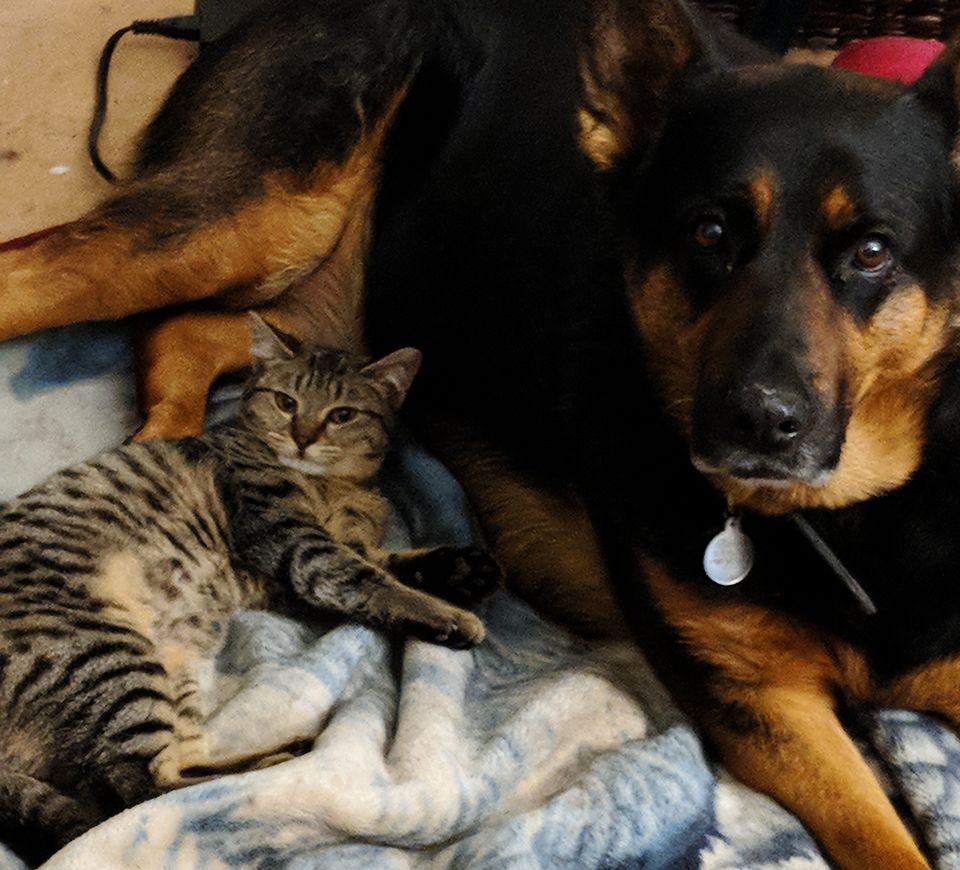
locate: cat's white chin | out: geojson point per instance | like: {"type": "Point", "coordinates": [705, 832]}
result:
{"type": "Point", "coordinates": [304, 466]}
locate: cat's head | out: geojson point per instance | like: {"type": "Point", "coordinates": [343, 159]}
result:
{"type": "Point", "coordinates": [323, 410]}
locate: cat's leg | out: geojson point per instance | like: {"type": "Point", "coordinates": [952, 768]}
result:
{"type": "Point", "coordinates": [393, 605]}
{"type": "Point", "coordinates": [281, 542]}
{"type": "Point", "coordinates": [193, 755]}
{"type": "Point", "coordinates": [460, 575]}
{"type": "Point", "coordinates": [333, 578]}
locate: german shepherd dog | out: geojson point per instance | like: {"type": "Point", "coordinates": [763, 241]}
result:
{"type": "Point", "coordinates": [656, 276]}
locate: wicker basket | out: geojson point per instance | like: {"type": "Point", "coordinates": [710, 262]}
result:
{"type": "Point", "coordinates": [833, 23]}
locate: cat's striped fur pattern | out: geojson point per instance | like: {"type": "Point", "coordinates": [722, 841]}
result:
{"type": "Point", "coordinates": [118, 578]}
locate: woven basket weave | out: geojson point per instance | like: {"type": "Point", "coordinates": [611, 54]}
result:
{"type": "Point", "coordinates": [833, 23]}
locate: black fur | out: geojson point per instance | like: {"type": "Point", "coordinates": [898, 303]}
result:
{"type": "Point", "coordinates": [499, 248]}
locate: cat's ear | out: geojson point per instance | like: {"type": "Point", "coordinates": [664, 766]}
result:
{"type": "Point", "coordinates": [396, 372]}
{"type": "Point", "coordinates": [267, 343]}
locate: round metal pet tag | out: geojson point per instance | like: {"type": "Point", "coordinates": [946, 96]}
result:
{"type": "Point", "coordinates": [729, 556]}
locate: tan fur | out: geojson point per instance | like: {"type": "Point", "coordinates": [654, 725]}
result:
{"type": "Point", "coordinates": [180, 358]}
{"type": "Point", "coordinates": [672, 336]}
{"type": "Point", "coordinates": [890, 364]}
{"type": "Point", "coordinates": [784, 738]}
{"type": "Point", "coordinates": [600, 141]}
{"type": "Point", "coordinates": [544, 540]}
{"type": "Point", "coordinates": [122, 586]}
{"type": "Point", "coordinates": [838, 208]}
{"type": "Point", "coordinates": [932, 688]}
{"type": "Point", "coordinates": [763, 187]}
{"type": "Point", "coordinates": [620, 96]}
{"type": "Point", "coordinates": [309, 236]}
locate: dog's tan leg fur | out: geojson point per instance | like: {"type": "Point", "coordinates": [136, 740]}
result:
{"type": "Point", "coordinates": [805, 760]}
{"type": "Point", "coordinates": [103, 267]}
{"type": "Point", "coordinates": [180, 358]}
{"type": "Point", "coordinates": [772, 720]}
{"type": "Point", "coordinates": [932, 688]}
{"type": "Point", "coordinates": [544, 541]}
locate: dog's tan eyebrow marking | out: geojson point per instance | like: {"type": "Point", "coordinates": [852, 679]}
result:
{"type": "Point", "coordinates": [838, 208]}
{"type": "Point", "coordinates": [762, 188]}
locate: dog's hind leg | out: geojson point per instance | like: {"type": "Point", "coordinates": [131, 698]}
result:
{"type": "Point", "coordinates": [266, 153]}
{"type": "Point", "coordinates": [543, 540]}
{"type": "Point", "coordinates": [180, 358]}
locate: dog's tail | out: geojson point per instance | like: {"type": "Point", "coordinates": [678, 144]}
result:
{"type": "Point", "coordinates": [37, 819]}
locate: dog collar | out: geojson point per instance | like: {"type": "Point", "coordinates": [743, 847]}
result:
{"type": "Point", "coordinates": [823, 550]}
{"type": "Point", "coordinates": [728, 558]}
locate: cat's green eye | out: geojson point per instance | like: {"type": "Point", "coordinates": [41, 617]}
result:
{"type": "Point", "coordinates": [285, 403]}
{"type": "Point", "coordinates": [342, 415]}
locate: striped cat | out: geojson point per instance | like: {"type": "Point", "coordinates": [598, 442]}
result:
{"type": "Point", "coordinates": [118, 578]}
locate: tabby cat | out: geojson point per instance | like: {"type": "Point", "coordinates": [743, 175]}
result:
{"type": "Point", "coordinates": [118, 578]}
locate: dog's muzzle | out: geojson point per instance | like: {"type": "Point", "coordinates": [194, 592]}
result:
{"type": "Point", "coordinates": [765, 431]}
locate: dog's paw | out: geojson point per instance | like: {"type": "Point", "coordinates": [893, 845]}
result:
{"type": "Point", "coordinates": [170, 420]}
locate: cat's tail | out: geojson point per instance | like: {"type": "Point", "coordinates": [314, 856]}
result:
{"type": "Point", "coordinates": [36, 819]}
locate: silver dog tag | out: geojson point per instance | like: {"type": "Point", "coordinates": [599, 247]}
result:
{"type": "Point", "coordinates": [729, 556]}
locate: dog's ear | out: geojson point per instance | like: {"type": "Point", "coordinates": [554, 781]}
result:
{"type": "Point", "coordinates": [631, 55]}
{"type": "Point", "coordinates": [939, 89]}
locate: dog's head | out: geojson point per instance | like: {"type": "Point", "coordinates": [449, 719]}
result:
{"type": "Point", "coordinates": [792, 253]}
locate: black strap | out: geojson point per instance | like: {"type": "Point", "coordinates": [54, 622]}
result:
{"type": "Point", "coordinates": [838, 568]}
{"type": "Point", "coordinates": [184, 27]}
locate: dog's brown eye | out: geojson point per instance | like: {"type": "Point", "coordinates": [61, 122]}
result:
{"type": "Point", "coordinates": [342, 415]}
{"type": "Point", "coordinates": [285, 403]}
{"type": "Point", "coordinates": [708, 234]}
{"type": "Point", "coordinates": [872, 254]}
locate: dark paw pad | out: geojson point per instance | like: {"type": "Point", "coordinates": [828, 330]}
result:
{"type": "Point", "coordinates": [461, 575]}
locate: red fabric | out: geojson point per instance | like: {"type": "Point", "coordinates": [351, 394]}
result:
{"type": "Point", "coordinates": [27, 241]}
{"type": "Point", "coordinates": [889, 57]}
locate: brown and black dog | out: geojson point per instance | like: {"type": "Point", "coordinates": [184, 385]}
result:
{"type": "Point", "coordinates": [624, 239]}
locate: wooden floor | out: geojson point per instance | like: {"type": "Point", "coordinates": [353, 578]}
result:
{"type": "Point", "coordinates": [48, 57]}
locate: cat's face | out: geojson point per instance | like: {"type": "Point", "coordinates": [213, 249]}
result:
{"type": "Point", "coordinates": [321, 409]}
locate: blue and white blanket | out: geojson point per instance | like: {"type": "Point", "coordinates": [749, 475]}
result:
{"type": "Point", "coordinates": [536, 750]}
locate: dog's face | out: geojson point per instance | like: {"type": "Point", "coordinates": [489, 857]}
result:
{"type": "Point", "coordinates": [794, 279]}
{"type": "Point", "coordinates": [799, 294]}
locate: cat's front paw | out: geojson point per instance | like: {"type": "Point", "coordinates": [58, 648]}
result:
{"type": "Point", "coordinates": [460, 630]}
{"type": "Point", "coordinates": [460, 575]}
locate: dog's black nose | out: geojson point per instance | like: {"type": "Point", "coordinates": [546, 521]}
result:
{"type": "Point", "coordinates": [768, 418]}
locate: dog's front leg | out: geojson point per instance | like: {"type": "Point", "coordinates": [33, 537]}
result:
{"type": "Point", "coordinates": [763, 687]}
{"type": "Point", "coordinates": [788, 743]}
